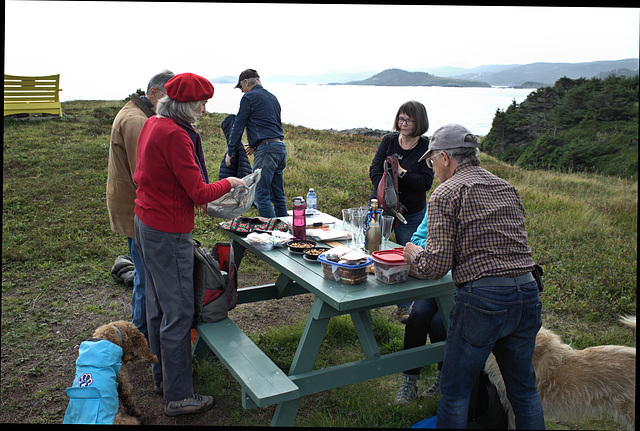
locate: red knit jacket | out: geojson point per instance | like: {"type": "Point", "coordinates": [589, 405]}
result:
{"type": "Point", "coordinates": [169, 181]}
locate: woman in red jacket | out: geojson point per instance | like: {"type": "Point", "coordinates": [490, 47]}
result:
{"type": "Point", "coordinates": [172, 179]}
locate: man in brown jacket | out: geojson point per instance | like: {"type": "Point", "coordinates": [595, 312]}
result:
{"type": "Point", "coordinates": [121, 190]}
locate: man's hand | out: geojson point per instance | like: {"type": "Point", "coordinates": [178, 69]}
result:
{"type": "Point", "coordinates": [408, 250]}
{"type": "Point", "coordinates": [227, 160]}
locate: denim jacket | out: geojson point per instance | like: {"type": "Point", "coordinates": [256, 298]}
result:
{"type": "Point", "coordinates": [259, 113]}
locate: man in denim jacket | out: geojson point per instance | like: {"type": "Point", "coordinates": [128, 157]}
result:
{"type": "Point", "coordinates": [259, 113]}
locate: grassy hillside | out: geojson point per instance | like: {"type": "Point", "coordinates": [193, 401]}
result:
{"type": "Point", "coordinates": [58, 249]}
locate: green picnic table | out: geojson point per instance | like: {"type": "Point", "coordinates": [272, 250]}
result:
{"type": "Point", "coordinates": [264, 383]}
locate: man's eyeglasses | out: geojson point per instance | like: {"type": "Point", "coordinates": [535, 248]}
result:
{"type": "Point", "coordinates": [407, 121]}
{"type": "Point", "coordinates": [430, 163]}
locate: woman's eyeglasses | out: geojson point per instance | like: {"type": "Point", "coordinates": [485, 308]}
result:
{"type": "Point", "coordinates": [407, 121]}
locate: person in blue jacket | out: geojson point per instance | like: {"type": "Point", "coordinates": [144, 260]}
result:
{"type": "Point", "coordinates": [259, 114]}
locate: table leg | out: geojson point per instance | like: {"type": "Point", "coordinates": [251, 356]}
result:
{"type": "Point", "coordinates": [286, 413]}
{"type": "Point", "coordinates": [362, 323]}
{"type": "Point", "coordinates": [238, 252]}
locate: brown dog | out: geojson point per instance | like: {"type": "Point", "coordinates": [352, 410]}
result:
{"type": "Point", "coordinates": [577, 384]}
{"type": "Point", "coordinates": [134, 346]}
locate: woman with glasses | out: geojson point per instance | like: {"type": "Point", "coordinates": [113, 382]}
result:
{"type": "Point", "coordinates": [415, 177]}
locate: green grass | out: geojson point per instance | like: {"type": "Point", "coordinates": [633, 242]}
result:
{"type": "Point", "coordinates": [58, 249]}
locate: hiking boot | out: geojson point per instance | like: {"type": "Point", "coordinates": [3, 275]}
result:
{"type": "Point", "coordinates": [402, 313]}
{"type": "Point", "coordinates": [407, 393]}
{"type": "Point", "coordinates": [434, 390]}
{"type": "Point", "coordinates": [194, 404]}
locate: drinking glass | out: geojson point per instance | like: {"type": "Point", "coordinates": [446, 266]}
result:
{"type": "Point", "coordinates": [346, 222]}
{"type": "Point", "coordinates": [357, 223]}
{"type": "Point", "coordinates": [386, 224]}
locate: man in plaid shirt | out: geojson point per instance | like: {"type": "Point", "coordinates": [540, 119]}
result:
{"type": "Point", "coordinates": [475, 228]}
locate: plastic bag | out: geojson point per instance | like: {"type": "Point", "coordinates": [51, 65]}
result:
{"type": "Point", "coordinates": [238, 201]}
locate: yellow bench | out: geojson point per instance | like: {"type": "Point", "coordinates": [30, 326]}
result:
{"type": "Point", "coordinates": [32, 95]}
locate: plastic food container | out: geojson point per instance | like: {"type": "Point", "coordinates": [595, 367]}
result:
{"type": "Point", "coordinates": [389, 266]}
{"type": "Point", "coordinates": [347, 274]}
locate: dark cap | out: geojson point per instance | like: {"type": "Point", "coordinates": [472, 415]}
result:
{"type": "Point", "coordinates": [246, 74]}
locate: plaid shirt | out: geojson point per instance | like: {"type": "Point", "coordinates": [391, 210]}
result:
{"type": "Point", "coordinates": [475, 228]}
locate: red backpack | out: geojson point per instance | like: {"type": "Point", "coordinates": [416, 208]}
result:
{"type": "Point", "coordinates": [215, 282]}
{"type": "Point", "coordinates": [387, 193]}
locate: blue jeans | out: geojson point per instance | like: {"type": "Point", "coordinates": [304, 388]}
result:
{"type": "Point", "coordinates": [138, 300]}
{"type": "Point", "coordinates": [405, 231]}
{"type": "Point", "coordinates": [270, 197]}
{"type": "Point", "coordinates": [424, 320]}
{"type": "Point", "coordinates": [504, 320]}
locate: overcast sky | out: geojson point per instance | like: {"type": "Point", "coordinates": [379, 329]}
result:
{"type": "Point", "coordinates": [99, 44]}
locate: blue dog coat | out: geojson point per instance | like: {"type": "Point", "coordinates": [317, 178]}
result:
{"type": "Point", "coordinates": [93, 398]}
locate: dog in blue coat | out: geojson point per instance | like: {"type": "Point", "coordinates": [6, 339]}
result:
{"type": "Point", "coordinates": [101, 382]}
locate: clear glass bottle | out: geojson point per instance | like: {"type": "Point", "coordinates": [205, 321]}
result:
{"type": "Point", "coordinates": [373, 235]}
{"type": "Point", "coordinates": [299, 218]}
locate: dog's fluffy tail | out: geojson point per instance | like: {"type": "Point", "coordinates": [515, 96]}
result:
{"type": "Point", "coordinates": [630, 321]}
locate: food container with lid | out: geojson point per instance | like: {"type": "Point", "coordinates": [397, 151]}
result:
{"type": "Point", "coordinates": [389, 266]}
{"type": "Point", "coordinates": [343, 273]}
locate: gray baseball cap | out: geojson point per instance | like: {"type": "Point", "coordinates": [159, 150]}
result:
{"type": "Point", "coordinates": [448, 137]}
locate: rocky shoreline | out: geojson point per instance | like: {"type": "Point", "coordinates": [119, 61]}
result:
{"type": "Point", "coordinates": [373, 133]}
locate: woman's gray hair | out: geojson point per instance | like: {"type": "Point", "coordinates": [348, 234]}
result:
{"type": "Point", "coordinates": [168, 107]}
{"type": "Point", "coordinates": [463, 155]}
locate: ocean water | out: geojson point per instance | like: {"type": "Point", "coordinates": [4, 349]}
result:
{"type": "Point", "coordinates": [341, 107]}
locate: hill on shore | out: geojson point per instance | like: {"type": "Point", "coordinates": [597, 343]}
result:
{"type": "Point", "coordinates": [398, 77]}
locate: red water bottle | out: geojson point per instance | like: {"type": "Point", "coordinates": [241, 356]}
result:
{"type": "Point", "coordinates": [299, 218]}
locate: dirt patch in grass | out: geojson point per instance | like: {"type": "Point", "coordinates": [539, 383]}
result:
{"type": "Point", "coordinates": [35, 373]}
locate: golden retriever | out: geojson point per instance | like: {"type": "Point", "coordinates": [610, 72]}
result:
{"type": "Point", "coordinates": [578, 384]}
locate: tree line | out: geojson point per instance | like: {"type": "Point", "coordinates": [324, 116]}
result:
{"type": "Point", "coordinates": [576, 125]}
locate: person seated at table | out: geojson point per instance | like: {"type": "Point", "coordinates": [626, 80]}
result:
{"type": "Point", "coordinates": [424, 320]}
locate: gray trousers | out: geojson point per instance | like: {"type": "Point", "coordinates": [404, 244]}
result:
{"type": "Point", "coordinates": [168, 260]}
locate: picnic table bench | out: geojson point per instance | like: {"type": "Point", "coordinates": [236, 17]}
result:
{"type": "Point", "coordinates": [32, 95]}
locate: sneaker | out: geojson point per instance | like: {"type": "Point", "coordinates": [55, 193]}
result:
{"type": "Point", "coordinates": [434, 390]}
{"type": "Point", "coordinates": [407, 393]}
{"type": "Point", "coordinates": [194, 404]}
{"type": "Point", "coordinates": [158, 388]}
{"type": "Point", "coordinates": [402, 313]}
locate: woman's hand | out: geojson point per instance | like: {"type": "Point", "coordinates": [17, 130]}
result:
{"type": "Point", "coordinates": [235, 182]}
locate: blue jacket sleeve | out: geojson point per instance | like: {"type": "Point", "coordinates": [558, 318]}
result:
{"type": "Point", "coordinates": [419, 237]}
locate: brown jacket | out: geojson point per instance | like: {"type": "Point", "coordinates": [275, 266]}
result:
{"type": "Point", "coordinates": [121, 190]}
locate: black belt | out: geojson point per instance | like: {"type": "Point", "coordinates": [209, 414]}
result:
{"type": "Point", "coordinates": [501, 281]}
{"type": "Point", "coordinates": [267, 141]}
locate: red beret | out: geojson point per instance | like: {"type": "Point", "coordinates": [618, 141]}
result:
{"type": "Point", "coordinates": [189, 87]}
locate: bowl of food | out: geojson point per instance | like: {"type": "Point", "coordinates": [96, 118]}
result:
{"type": "Point", "coordinates": [313, 253]}
{"type": "Point", "coordinates": [300, 245]}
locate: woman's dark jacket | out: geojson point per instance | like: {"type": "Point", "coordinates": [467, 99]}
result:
{"type": "Point", "coordinates": [240, 165]}
{"type": "Point", "coordinates": [415, 183]}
